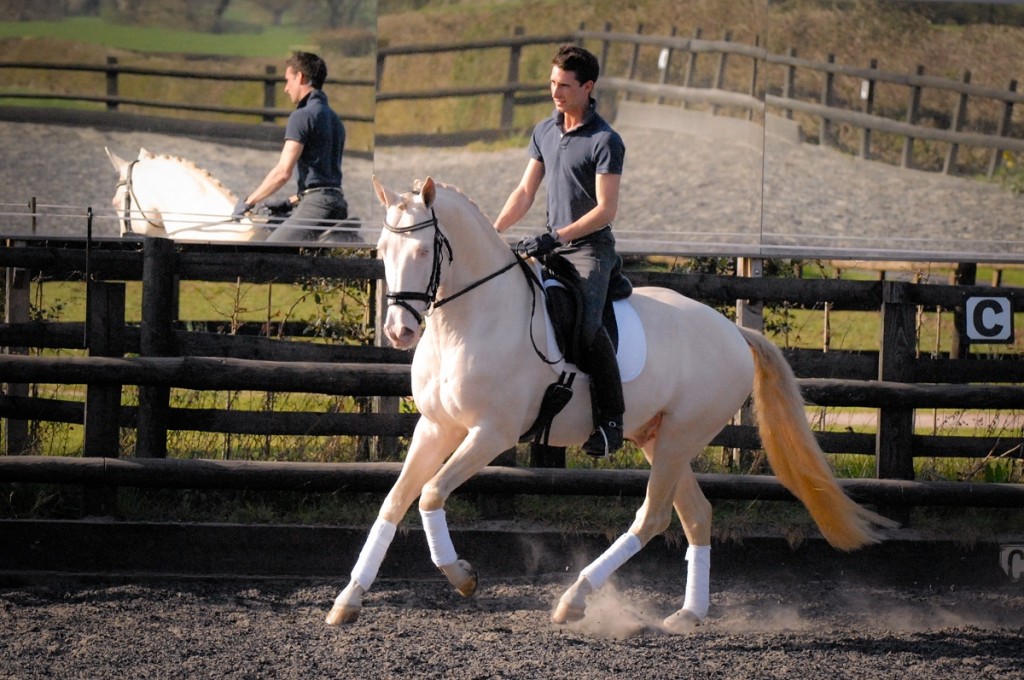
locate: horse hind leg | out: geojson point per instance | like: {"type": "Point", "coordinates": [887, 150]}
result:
{"type": "Point", "coordinates": [695, 514]}
{"type": "Point", "coordinates": [653, 517]}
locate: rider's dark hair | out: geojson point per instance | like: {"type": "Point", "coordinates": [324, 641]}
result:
{"type": "Point", "coordinates": [309, 65]}
{"type": "Point", "coordinates": [578, 60]}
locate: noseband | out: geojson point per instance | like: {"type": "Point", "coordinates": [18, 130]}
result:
{"type": "Point", "coordinates": [429, 296]}
{"type": "Point", "coordinates": [129, 195]}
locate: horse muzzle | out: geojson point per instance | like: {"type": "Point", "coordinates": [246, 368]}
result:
{"type": "Point", "coordinates": [402, 327]}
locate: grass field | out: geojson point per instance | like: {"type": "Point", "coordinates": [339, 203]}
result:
{"type": "Point", "coordinates": [250, 35]}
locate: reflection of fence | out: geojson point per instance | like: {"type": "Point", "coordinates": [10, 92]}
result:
{"type": "Point", "coordinates": [111, 94]}
{"type": "Point", "coordinates": [896, 381]}
{"type": "Point", "coordinates": [729, 78]}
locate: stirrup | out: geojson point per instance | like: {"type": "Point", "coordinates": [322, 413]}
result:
{"type": "Point", "coordinates": [605, 440]}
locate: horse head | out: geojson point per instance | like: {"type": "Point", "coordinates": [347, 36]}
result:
{"type": "Point", "coordinates": [409, 248]}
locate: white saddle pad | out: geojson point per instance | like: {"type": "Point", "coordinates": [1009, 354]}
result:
{"type": "Point", "coordinates": [632, 351]}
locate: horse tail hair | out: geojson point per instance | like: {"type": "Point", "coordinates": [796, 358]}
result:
{"type": "Point", "coordinates": [795, 457]}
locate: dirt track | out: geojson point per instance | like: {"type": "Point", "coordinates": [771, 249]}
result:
{"type": "Point", "coordinates": [762, 628]}
{"type": "Point", "coordinates": [677, 189]}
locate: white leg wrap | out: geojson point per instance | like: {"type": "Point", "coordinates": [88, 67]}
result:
{"type": "Point", "coordinates": [372, 554]}
{"type": "Point", "coordinates": [698, 580]}
{"type": "Point", "coordinates": [435, 525]}
{"type": "Point", "coordinates": [598, 571]}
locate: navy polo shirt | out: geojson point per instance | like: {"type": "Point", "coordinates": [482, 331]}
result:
{"type": "Point", "coordinates": [572, 160]}
{"type": "Point", "coordinates": [319, 129]}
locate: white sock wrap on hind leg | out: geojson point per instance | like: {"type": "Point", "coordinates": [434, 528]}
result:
{"type": "Point", "coordinates": [372, 554]}
{"type": "Point", "coordinates": [698, 580]}
{"type": "Point", "coordinates": [435, 525]}
{"type": "Point", "coordinates": [598, 571]}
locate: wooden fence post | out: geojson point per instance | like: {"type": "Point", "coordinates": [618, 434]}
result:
{"type": "Point", "coordinates": [749, 314]}
{"type": "Point", "coordinates": [965, 274]}
{"type": "Point", "coordinates": [508, 100]}
{"type": "Point", "coordinates": [103, 402]}
{"type": "Point", "coordinates": [112, 90]}
{"type": "Point", "coordinates": [156, 338]}
{"type": "Point", "coordinates": [665, 65]}
{"type": "Point", "coordinates": [753, 78]}
{"type": "Point", "coordinates": [1002, 130]}
{"type": "Point", "coordinates": [690, 72]}
{"type": "Point", "coordinates": [270, 92]}
{"type": "Point", "coordinates": [789, 83]}
{"type": "Point", "coordinates": [825, 136]}
{"type": "Point", "coordinates": [17, 309]}
{"type": "Point", "coordinates": [913, 113]}
{"type": "Point", "coordinates": [720, 70]}
{"type": "Point", "coordinates": [868, 95]}
{"type": "Point", "coordinates": [894, 457]}
{"type": "Point", "coordinates": [634, 59]}
{"type": "Point", "coordinates": [959, 114]}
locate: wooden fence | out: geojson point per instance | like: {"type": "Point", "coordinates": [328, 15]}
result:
{"type": "Point", "coordinates": [159, 355]}
{"type": "Point", "coordinates": [723, 77]}
{"type": "Point", "coordinates": [719, 76]}
{"type": "Point", "coordinates": [110, 93]}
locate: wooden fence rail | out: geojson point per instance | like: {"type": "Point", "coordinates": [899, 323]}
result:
{"type": "Point", "coordinates": [494, 480]}
{"type": "Point", "coordinates": [758, 89]}
{"type": "Point", "coordinates": [768, 83]}
{"type": "Point", "coordinates": [886, 381]}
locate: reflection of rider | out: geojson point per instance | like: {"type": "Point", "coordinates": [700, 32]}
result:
{"type": "Point", "coordinates": [314, 141]}
{"type": "Point", "coordinates": [582, 157]}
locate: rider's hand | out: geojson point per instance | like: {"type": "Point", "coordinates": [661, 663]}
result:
{"type": "Point", "coordinates": [536, 246]}
{"type": "Point", "coordinates": [241, 208]}
{"type": "Point", "coordinates": [278, 205]}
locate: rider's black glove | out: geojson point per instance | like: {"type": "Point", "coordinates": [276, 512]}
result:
{"type": "Point", "coordinates": [536, 246]}
{"type": "Point", "coordinates": [240, 209]}
{"type": "Point", "coordinates": [279, 205]}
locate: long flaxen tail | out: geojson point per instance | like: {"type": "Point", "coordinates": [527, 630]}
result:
{"type": "Point", "coordinates": [795, 457]}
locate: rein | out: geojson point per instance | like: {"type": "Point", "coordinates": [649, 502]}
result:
{"type": "Point", "coordinates": [429, 296]}
{"type": "Point", "coordinates": [129, 195]}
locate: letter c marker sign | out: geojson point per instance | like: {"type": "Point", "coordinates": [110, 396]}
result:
{"type": "Point", "coordinates": [990, 319]}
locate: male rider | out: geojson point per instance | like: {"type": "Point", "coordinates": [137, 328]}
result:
{"type": "Point", "coordinates": [582, 158]}
{"type": "Point", "coordinates": [314, 141]}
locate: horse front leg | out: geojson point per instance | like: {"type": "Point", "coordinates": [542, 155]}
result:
{"type": "Point", "coordinates": [480, 447]}
{"type": "Point", "coordinates": [427, 451]}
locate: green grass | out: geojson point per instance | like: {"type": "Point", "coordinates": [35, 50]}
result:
{"type": "Point", "coordinates": [256, 41]}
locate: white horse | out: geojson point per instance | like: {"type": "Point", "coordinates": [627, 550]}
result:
{"type": "Point", "coordinates": [168, 196]}
{"type": "Point", "coordinates": [478, 382]}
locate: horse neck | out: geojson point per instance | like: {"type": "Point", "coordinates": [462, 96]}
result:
{"type": "Point", "coordinates": [477, 252]}
{"type": "Point", "coordinates": [170, 185]}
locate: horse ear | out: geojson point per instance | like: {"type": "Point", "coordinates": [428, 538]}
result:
{"type": "Point", "coordinates": [119, 163]}
{"type": "Point", "coordinates": [428, 191]}
{"type": "Point", "coordinates": [386, 197]}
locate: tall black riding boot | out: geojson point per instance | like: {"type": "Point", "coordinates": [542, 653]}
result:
{"type": "Point", "coordinates": [606, 397]}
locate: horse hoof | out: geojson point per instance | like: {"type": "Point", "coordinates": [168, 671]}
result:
{"type": "Point", "coordinates": [462, 576]}
{"type": "Point", "coordinates": [566, 612]}
{"type": "Point", "coordinates": [683, 621]}
{"type": "Point", "coordinates": [342, 614]}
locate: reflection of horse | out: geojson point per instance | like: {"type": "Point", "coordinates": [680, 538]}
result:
{"type": "Point", "coordinates": [167, 196]}
{"type": "Point", "coordinates": [478, 382]}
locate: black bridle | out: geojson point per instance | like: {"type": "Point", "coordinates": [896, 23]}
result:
{"type": "Point", "coordinates": [429, 296]}
{"type": "Point", "coordinates": [129, 197]}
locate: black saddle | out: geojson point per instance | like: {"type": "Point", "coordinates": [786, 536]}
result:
{"type": "Point", "coordinates": [563, 302]}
